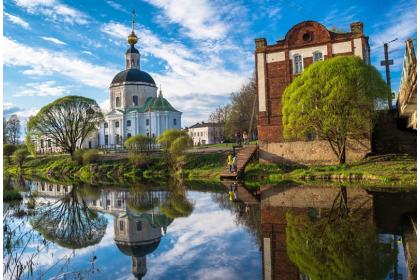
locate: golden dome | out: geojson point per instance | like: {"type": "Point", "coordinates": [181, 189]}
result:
{"type": "Point", "coordinates": [132, 38]}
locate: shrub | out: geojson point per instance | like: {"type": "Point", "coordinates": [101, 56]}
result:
{"type": "Point", "coordinates": [138, 143]}
{"type": "Point", "coordinates": [78, 156]}
{"type": "Point", "coordinates": [8, 150]}
{"type": "Point", "coordinates": [139, 160]}
{"type": "Point", "coordinates": [90, 156]}
{"type": "Point", "coordinates": [11, 195]}
{"type": "Point", "coordinates": [20, 156]}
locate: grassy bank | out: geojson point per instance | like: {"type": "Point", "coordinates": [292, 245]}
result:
{"type": "Point", "coordinates": [107, 171]}
{"type": "Point", "coordinates": [388, 170]}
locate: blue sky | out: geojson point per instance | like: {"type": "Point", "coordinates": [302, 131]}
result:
{"type": "Point", "coordinates": [198, 50]}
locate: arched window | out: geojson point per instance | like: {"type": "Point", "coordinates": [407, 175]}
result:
{"type": "Point", "coordinates": [317, 56]}
{"type": "Point", "coordinates": [117, 101]}
{"type": "Point", "coordinates": [297, 64]}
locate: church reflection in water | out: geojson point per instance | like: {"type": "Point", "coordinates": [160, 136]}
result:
{"type": "Point", "coordinates": [139, 222]}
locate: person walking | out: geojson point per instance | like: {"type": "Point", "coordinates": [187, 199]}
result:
{"type": "Point", "coordinates": [230, 162]}
{"type": "Point", "coordinates": [245, 137]}
{"type": "Point", "coordinates": [234, 163]}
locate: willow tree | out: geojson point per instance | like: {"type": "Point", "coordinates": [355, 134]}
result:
{"type": "Point", "coordinates": [335, 100]}
{"type": "Point", "coordinates": [338, 245]}
{"type": "Point", "coordinates": [68, 121]}
{"type": "Point", "coordinates": [174, 143]}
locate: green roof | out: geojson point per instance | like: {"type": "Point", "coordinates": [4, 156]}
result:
{"type": "Point", "coordinates": [154, 104]}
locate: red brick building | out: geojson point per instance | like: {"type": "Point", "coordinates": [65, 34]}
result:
{"type": "Point", "coordinates": [276, 66]}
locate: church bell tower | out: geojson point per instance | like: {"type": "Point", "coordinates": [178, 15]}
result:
{"type": "Point", "coordinates": [132, 55]}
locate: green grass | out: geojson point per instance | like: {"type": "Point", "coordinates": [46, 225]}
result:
{"type": "Point", "coordinates": [207, 166]}
{"type": "Point", "coordinates": [389, 170]}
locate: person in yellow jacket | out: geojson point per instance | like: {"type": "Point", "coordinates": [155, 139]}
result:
{"type": "Point", "coordinates": [230, 162]}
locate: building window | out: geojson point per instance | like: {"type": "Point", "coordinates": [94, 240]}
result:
{"type": "Point", "coordinates": [49, 143]}
{"type": "Point", "coordinates": [147, 121]}
{"type": "Point", "coordinates": [138, 225]}
{"type": "Point", "coordinates": [58, 188]}
{"type": "Point", "coordinates": [317, 56]}
{"type": "Point", "coordinates": [117, 139]}
{"type": "Point", "coordinates": [117, 101]}
{"type": "Point", "coordinates": [297, 64]}
{"type": "Point", "coordinates": [121, 225]}
{"type": "Point", "coordinates": [128, 122]}
{"type": "Point", "coordinates": [105, 125]}
{"type": "Point", "coordinates": [174, 121]}
{"type": "Point", "coordinates": [117, 124]}
{"type": "Point", "coordinates": [135, 100]}
{"type": "Point", "coordinates": [128, 135]}
{"type": "Point", "coordinates": [119, 203]}
{"type": "Point", "coordinates": [106, 139]}
{"type": "Point", "coordinates": [42, 143]}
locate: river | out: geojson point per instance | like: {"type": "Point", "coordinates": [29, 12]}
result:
{"type": "Point", "coordinates": [169, 231]}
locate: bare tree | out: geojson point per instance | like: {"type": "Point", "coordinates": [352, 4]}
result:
{"type": "Point", "coordinates": [13, 129]}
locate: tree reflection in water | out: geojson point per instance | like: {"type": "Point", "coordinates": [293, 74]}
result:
{"type": "Point", "coordinates": [177, 204]}
{"type": "Point", "coordinates": [338, 246]}
{"type": "Point", "coordinates": [69, 222]}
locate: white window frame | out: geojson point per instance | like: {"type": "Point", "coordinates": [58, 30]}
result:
{"type": "Point", "coordinates": [295, 70]}
{"type": "Point", "coordinates": [317, 52]}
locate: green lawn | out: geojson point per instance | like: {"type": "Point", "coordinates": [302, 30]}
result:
{"type": "Point", "coordinates": [389, 170]}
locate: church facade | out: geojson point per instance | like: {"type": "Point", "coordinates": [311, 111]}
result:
{"type": "Point", "coordinates": [135, 105]}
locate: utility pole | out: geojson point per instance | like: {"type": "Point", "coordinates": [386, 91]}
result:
{"type": "Point", "coordinates": [387, 62]}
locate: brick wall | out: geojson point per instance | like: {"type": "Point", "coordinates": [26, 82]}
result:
{"type": "Point", "coordinates": [311, 152]}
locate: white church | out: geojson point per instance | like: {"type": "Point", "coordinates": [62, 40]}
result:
{"type": "Point", "coordinates": [135, 107]}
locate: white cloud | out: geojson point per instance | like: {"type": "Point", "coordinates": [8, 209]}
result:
{"type": "Point", "coordinates": [199, 18]}
{"type": "Point", "coordinates": [341, 18]}
{"type": "Point", "coordinates": [87, 52]}
{"type": "Point", "coordinates": [104, 105]}
{"type": "Point", "coordinates": [48, 88]}
{"type": "Point", "coordinates": [116, 6]}
{"type": "Point", "coordinates": [188, 72]}
{"type": "Point", "coordinates": [41, 62]}
{"type": "Point", "coordinates": [54, 40]}
{"type": "Point", "coordinates": [17, 20]}
{"type": "Point", "coordinates": [53, 10]}
{"type": "Point", "coordinates": [191, 75]}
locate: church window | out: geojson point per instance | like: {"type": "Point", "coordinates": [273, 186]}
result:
{"type": "Point", "coordinates": [119, 203]}
{"type": "Point", "coordinates": [121, 225]}
{"type": "Point", "coordinates": [174, 121]}
{"type": "Point", "coordinates": [128, 135]}
{"type": "Point", "coordinates": [138, 225]}
{"type": "Point", "coordinates": [117, 139]}
{"type": "Point", "coordinates": [317, 56]}
{"type": "Point", "coordinates": [147, 121]}
{"type": "Point", "coordinates": [106, 139]}
{"type": "Point", "coordinates": [49, 143]}
{"type": "Point", "coordinates": [105, 125]}
{"type": "Point", "coordinates": [128, 122]}
{"type": "Point", "coordinates": [135, 100]}
{"type": "Point", "coordinates": [117, 124]}
{"type": "Point", "coordinates": [117, 101]}
{"type": "Point", "coordinates": [297, 64]}
{"type": "Point", "coordinates": [42, 143]}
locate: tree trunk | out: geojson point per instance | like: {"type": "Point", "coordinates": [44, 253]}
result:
{"type": "Point", "coordinates": [342, 157]}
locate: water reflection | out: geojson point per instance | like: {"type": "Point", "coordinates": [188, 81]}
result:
{"type": "Point", "coordinates": [312, 232]}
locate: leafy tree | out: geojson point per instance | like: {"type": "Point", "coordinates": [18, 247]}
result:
{"type": "Point", "coordinates": [335, 100]}
{"type": "Point", "coordinates": [177, 204]}
{"type": "Point", "coordinates": [345, 248]}
{"type": "Point", "coordinates": [68, 121]}
{"type": "Point", "coordinates": [8, 150]}
{"type": "Point", "coordinates": [69, 222]}
{"type": "Point", "coordinates": [20, 156]}
{"type": "Point", "coordinates": [174, 143]}
{"type": "Point", "coordinates": [13, 129]}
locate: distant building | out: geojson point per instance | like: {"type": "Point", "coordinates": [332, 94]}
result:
{"type": "Point", "coordinates": [206, 133]}
{"type": "Point", "coordinates": [278, 65]}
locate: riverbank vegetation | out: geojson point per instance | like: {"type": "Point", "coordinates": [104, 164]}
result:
{"type": "Point", "coordinates": [386, 170]}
